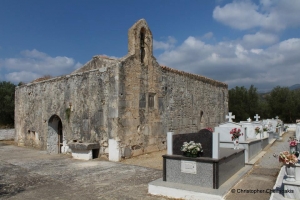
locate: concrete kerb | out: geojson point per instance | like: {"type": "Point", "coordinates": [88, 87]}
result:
{"type": "Point", "coordinates": [261, 154]}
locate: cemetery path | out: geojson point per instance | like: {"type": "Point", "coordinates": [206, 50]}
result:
{"type": "Point", "coordinates": [261, 179]}
{"type": "Point", "coordinates": [31, 174]}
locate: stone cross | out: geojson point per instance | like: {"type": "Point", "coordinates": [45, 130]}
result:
{"type": "Point", "coordinates": [249, 119]}
{"type": "Point", "coordinates": [256, 117]}
{"type": "Point", "coordinates": [276, 117]}
{"type": "Point", "coordinates": [230, 117]}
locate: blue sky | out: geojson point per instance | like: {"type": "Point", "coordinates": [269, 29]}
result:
{"type": "Point", "coordinates": [237, 42]}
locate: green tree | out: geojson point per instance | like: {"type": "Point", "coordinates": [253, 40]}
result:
{"type": "Point", "coordinates": [243, 102]}
{"type": "Point", "coordinates": [7, 103]}
{"type": "Point", "coordinates": [283, 103]}
{"type": "Point", "coordinates": [237, 98]}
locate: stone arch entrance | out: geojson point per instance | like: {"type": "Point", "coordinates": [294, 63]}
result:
{"type": "Point", "coordinates": [55, 135]}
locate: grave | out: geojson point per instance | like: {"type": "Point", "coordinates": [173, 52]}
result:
{"type": "Point", "coordinates": [213, 168]}
{"type": "Point", "coordinates": [209, 176]}
{"type": "Point", "coordinates": [247, 141]}
{"type": "Point", "coordinates": [298, 131]}
{"type": "Point", "coordinates": [84, 151]}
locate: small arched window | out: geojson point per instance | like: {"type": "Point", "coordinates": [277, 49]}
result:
{"type": "Point", "coordinates": [201, 115]}
{"type": "Point", "coordinates": [142, 44]}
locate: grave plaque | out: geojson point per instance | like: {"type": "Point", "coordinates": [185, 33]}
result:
{"type": "Point", "coordinates": [188, 167]}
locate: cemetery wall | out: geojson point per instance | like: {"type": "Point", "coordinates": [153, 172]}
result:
{"type": "Point", "coordinates": [91, 97]}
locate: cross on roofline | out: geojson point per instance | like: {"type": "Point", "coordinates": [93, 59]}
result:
{"type": "Point", "coordinates": [256, 117]}
{"type": "Point", "coordinates": [230, 117]}
{"type": "Point", "coordinates": [276, 117]}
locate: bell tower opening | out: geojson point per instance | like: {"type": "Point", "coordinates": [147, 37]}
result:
{"type": "Point", "coordinates": [142, 45]}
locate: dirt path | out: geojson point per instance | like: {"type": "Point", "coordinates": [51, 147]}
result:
{"type": "Point", "coordinates": [152, 160]}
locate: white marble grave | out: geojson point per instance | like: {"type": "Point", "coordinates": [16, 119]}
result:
{"type": "Point", "coordinates": [247, 140]}
{"type": "Point", "coordinates": [298, 131]}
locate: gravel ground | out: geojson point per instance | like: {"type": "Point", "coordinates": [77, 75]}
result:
{"type": "Point", "coordinates": [26, 173]}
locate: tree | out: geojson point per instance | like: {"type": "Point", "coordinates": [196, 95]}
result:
{"type": "Point", "coordinates": [244, 103]}
{"type": "Point", "coordinates": [7, 103]}
{"type": "Point", "coordinates": [237, 98]}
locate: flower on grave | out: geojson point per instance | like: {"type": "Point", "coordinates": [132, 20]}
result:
{"type": "Point", "coordinates": [287, 158]}
{"type": "Point", "coordinates": [235, 133]}
{"type": "Point", "coordinates": [210, 129]}
{"type": "Point", "coordinates": [293, 142]}
{"type": "Point", "coordinates": [257, 130]}
{"type": "Point", "coordinates": [191, 147]}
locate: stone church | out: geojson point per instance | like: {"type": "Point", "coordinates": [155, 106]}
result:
{"type": "Point", "coordinates": [123, 107]}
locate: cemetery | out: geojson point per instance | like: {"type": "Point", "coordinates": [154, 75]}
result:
{"type": "Point", "coordinates": [225, 154]}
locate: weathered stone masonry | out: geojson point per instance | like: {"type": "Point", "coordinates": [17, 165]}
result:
{"type": "Point", "coordinates": [132, 100]}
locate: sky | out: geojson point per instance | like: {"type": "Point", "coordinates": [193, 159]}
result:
{"type": "Point", "coordinates": [239, 42]}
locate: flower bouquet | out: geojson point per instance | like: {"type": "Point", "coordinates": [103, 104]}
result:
{"type": "Point", "coordinates": [287, 158]}
{"type": "Point", "coordinates": [257, 130]}
{"type": "Point", "coordinates": [191, 149]}
{"type": "Point", "coordinates": [235, 133]}
{"type": "Point", "coordinates": [293, 142]}
{"type": "Point", "coordinates": [210, 129]}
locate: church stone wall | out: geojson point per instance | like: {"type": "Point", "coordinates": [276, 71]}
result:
{"type": "Point", "coordinates": [91, 96]}
{"type": "Point", "coordinates": [182, 103]}
{"type": "Point", "coordinates": [192, 102]}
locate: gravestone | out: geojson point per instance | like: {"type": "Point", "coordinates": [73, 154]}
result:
{"type": "Point", "coordinates": [224, 130]}
{"type": "Point", "coordinates": [298, 131]}
{"type": "Point", "coordinates": [204, 136]}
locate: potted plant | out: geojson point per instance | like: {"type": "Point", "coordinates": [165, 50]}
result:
{"type": "Point", "coordinates": [289, 160]}
{"type": "Point", "coordinates": [235, 134]}
{"type": "Point", "coordinates": [191, 149]}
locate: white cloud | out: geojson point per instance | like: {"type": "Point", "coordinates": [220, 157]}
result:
{"type": "Point", "coordinates": [22, 76]}
{"type": "Point", "coordinates": [268, 15]}
{"type": "Point", "coordinates": [33, 64]}
{"type": "Point", "coordinates": [235, 64]}
{"type": "Point", "coordinates": [169, 44]}
{"type": "Point", "coordinates": [259, 39]}
{"type": "Point", "coordinates": [208, 35]}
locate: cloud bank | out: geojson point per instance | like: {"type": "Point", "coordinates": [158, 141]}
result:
{"type": "Point", "coordinates": [32, 64]}
{"type": "Point", "coordinates": [259, 57]}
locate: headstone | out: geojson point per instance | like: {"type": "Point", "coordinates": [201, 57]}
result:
{"type": "Point", "coordinates": [204, 136]}
{"type": "Point", "coordinates": [224, 131]}
{"type": "Point", "coordinates": [230, 117]}
{"type": "Point", "coordinates": [298, 132]}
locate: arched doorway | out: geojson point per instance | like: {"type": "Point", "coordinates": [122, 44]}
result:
{"type": "Point", "coordinates": [55, 135]}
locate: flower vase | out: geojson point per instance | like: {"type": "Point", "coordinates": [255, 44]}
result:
{"type": "Point", "coordinates": [290, 172]}
{"type": "Point", "coordinates": [258, 135]}
{"type": "Point", "coordinates": [293, 149]}
{"type": "Point", "coordinates": [236, 143]}
{"type": "Point", "coordinates": [188, 154]}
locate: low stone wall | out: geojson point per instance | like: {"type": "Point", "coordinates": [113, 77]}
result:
{"type": "Point", "coordinates": [7, 134]}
